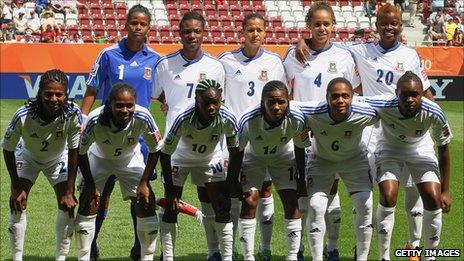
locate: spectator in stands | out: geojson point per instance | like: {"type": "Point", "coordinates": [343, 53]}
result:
{"type": "Point", "coordinates": [40, 5]}
{"type": "Point", "coordinates": [450, 29]}
{"type": "Point", "coordinates": [10, 37]}
{"type": "Point", "coordinates": [33, 23]}
{"type": "Point", "coordinates": [48, 35]}
{"type": "Point", "coordinates": [7, 12]}
{"type": "Point", "coordinates": [18, 8]}
{"type": "Point", "coordinates": [48, 18]}
{"type": "Point", "coordinates": [78, 38]}
{"type": "Point", "coordinates": [400, 5]}
{"type": "Point", "coordinates": [20, 23]}
{"type": "Point", "coordinates": [379, 4]}
{"type": "Point", "coordinates": [437, 5]}
{"type": "Point", "coordinates": [27, 37]}
{"type": "Point", "coordinates": [70, 6]}
{"type": "Point", "coordinates": [436, 29]}
{"type": "Point", "coordinates": [369, 7]}
{"type": "Point", "coordinates": [412, 12]}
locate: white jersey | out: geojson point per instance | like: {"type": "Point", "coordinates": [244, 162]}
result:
{"type": "Point", "coordinates": [309, 81]}
{"type": "Point", "coordinates": [410, 136]}
{"type": "Point", "coordinates": [43, 142]}
{"type": "Point", "coordinates": [246, 77]}
{"type": "Point", "coordinates": [340, 141]}
{"type": "Point", "coordinates": [178, 77]}
{"type": "Point", "coordinates": [381, 69]}
{"type": "Point", "coordinates": [259, 140]}
{"type": "Point", "coordinates": [196, 145]}
{"type": "Point", "coordinates": [112, 143]}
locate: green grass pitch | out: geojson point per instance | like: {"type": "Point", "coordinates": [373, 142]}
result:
{"type": "Point", "coordinates": [116, 237]}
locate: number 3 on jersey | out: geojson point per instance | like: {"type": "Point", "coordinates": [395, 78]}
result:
{"type": "Point", "coordinates": [251, 88]}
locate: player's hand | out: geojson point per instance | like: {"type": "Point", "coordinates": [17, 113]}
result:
{"type": "Point", "coordinates": [173, 204]}
{"type": "Point", "coordinates": [90, 196]}
{"type": "Point", "coordinates": [69, 202]}
{"type": "Point", "coordinates": [302, 51]}
{"type": "Point", "coordinates": [164, 108]}
{"type": "Point", "coordinates": [446, 202]}
{"type": "Point", "coordinates": [18, 201]}
{"type": "Point", "coordinates": [143, 193]}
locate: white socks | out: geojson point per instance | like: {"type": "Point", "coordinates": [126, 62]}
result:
{"type": "Point", "coordinates": [316, 225]}
{"type": "Point", "coordinates": [168, 232]}
{"type": "Point", "coordinates": [210, 230]}
{"type": "Point", "coordinates": [385, 223]}
{"type": "Point", "coordinates": [414, 212]}
{"type": "Point", "coordinates": [332, 221]}
{"type": "Point", "coordinates": [432, 228]}
{"type": "Point", "coordinates": [247, 229]}
{"type": "Point", "coordinates": [64, 228]}
{"type": "Point", "coordinates": [362, 202]}
{"type": "Point", "coordinates": [147, 231]}
{"type": "Point", "coordinates": [303, 206]}
{"type": "Point", "coordinates": [17, 224]}
{"type": "Point", "coordinates": [225, 235]}
{"type": "Point", "coordinates": [85, 231]}
{"type": "Point", "coordinates": [293, 233]}
{"type": "Point", "coordinates": [265, 213]}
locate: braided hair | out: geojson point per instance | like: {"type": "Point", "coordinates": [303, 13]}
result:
{"type": "Point", "coordinates": [36, 104]}
{"type": "Point", "coordinates": [409, 76]}
{"type": "Point", "coordinates": [106, 114]}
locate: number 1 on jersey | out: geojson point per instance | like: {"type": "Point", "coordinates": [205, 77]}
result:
{"type": "Point", "coordinates": [121, 71]}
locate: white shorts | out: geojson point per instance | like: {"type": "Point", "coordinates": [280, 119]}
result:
{"type": "Point", "coordinates": [199, 175]}
{"type": "Point", "coordinates": [283, 175]}
{"type": "Point", "coordinates": [419, 172]}
{"type": "Point", "coordinates": [128, 171]}
{"type": "Point", "coordinates": [56, 170]}
{"type": "Point", "coordinates": [354, 173]}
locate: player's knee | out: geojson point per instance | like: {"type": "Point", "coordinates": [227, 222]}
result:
{"type": "Point", "coordinates": [388, 199]}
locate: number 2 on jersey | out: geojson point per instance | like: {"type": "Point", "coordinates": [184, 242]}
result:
{"type": "Point", "coordinates": [190, 86]}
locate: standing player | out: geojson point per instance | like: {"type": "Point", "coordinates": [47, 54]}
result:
{"type": "Point", "coordinates": [309, 83]}
{"type": "Point", "coordinates": [405, 141]}
{"type": "Point", "coordinates": [248, 69]}
{"type": "Point", "coordinates": [380, 65]}
{"type": "Point", "coordinates": [268, 133]}
{"type": "Point", "coordinates": [177, 74]}
{"type": "Point", "coordinates": [133, 62]}
{"type": "Point", "coordinates": [337, 126]}
{"type": "Point", "coordinates": [195, 136]}
{"type": "Point", "coordinates": [109, 146]}
{"type": "Point", "coordinates": [48, 126]}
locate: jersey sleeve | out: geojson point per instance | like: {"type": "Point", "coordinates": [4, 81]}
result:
{"type": "Point", "coordinates": [243, 136]}
{"type": "Point", "coordinates": [88, 136]}
{"type": "Point", "coordinates": [98, 74]}
{"type": "Point", "coordinates": [301, 135]}
{"type": "Point", "coordinates": [151, 135]}
{"type": "Point", "coordinates": [73, 131]}
{"type": "Point", "coordinates": [171, 140]}
{"type": "Point", "coordinates": [352, 73]}
{"type": "Point", "coordinates": [440, 131]}
{"type": "Point", "coordinates": [157, 87]}
{"type": "Point", "coordinates": [14, 131]}
{"type": "Point", "coordinates": [419, 71]}
{"type": "Point", "coordinates": [231, 130]}
{"type": "Point", "coordinates": [221, 75]}
{"type": "Point", "coordinates": [289, 67]}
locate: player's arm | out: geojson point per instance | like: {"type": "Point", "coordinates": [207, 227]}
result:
{"type": "Point", "coordinates": [358, 90]}
{"type": "Point", "coordinates": [444, 162]}
{"type": "Point", "coordinates": [428, 94]}
{"type": "Point", "coordinates": [18, 195]}
{"type": "Point", "coordinates": [233, 171]}
{"type": "Point", "coordinates": [69, 201]}
{"type": "Point", "coordinates": [300, 166]}
{"type": "Point", "coordinates": [143, 191]}
{"type": "Point", "coordinates": [301, 51]}
{"type": "Point", "coordinates": [88, 100]}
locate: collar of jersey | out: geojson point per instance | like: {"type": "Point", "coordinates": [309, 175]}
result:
{"type": "Point", "coordinates": [384, 51]}
{"type": "Point", "coordinates": [350, 111]}
{"type": "Point", "coordinates": [321, 51]}
{"type": "Point", "coordinates": [251, 58]}
{"type": "Point", "coordinates": [189, 62]}
{"type": "Point", "coordinates": [122, 46]}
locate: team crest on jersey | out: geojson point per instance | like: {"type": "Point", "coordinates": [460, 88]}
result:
{"type": "Point", "coordinates": [259, 138]}
{"type": "Point", "coordinates": [85, 138]}
{"type": "Point", "coordinates": [34, 135]}
{"type": "Point", "coordinates": [391, 125]}
{"type": "Point", "coordinates": [263, 75]}
{"type": "Point", "coordinates": [175, 170]}
{"type": "Point", "coordinates": [130, 140]}
{"type": "Point", "coordinates": [332, 67]}
{"type": "Point", "coordinates": [59, 134]}
{"type": "Point", "coordinates": [304, 135]}
{"type": "Point", "coordinates": [19, 165]}
{"type": "Point", "coordinates": [445, 130]}
{"type": "Point", "coordinates": [202, 77]}
{"type": "Point", "coordinates": [214, 137]}
{"type": "Point", "coordinates": [169, 139]}
{"type": "Point", "coordinates": [418, 132]}
{"type": "Point", "coordinates": [283, 139]}
{"type": "Point", "coordinates": [399, 67]}
{"type": "Point", "coordinates": [347, 133]}
{"type": "Point", "coordinates": [147, 73]}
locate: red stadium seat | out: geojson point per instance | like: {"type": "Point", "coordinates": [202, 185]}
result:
{"type": "Point", "coordinates": [166, 39]}
{"type": "Point", "coordinates": [223, 9]}
{"type": "Point", "coordinates": [108, 11]}
{"type": "Point", "coordinates": [154, 39]}
{"type": "Point", "coordinates": [233, 40]}
{"type": "Point", "coordinates": [284, 40]}
{"type": "Point", "coordinates": [121, 8]}
{"type": "Point", "coordinates": [269, 31]}
{"type": "Point", "coordinates": [112, 32]}
{"type": "Point", "coordinates": [216, 31]}
{"type": "Point", "coordinates": [247, 9]}
{"type": "Point", "coordinates": [356, 3]}
{"type": "Point", "coordinates": [271, 40]}
{"type": "Point", "coordinates": [210, 10]}
{"type": "Point", "coordinates": [165, 30]}
{"type": "Point", "coordinates": [197, 8]}
{"type": "Point", "coordinates": [213, 20]}
{"type": "Point", "coordinates": [260, 10]}
{"type": "Point", "coordinates": [184, 8]}
{"type": "Point", "coordinates": [279, 32]}
{"type": "Point", "coordinates": [306, 2]}
{"type": "Point", "coordinates": [276, 22]}
{"type": "Point", "coordinates": [292, 32]}
{"type": "Point", "coordinates": [174, 19]}
{"type": "Point", "coordinates": [219, 40]}
{"type": "Point", "coordinates": [225, 20]}
{"type": "Point", "coordinates": [97, 22]}
{"type": "Point", "coordinates": [229, 31]}
{"type": "Point", "coordinates": [235, 10]}
{"type": "Point", "coordinates": [87, 39]}
{"type": "Point", "coordinates": [207, 39]}
{"type": "Point", "coordinates": [343, 3]}
{"type": "Point", "coordinates": [110, 21]}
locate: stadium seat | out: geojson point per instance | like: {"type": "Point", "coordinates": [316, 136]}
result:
{"type": "Point", "coordinates": [233, 40]}
{"type": "Point", "coordinates": [59, 18]}
{"type": "Point", "coordinates": [289, 23]}
{"type": "Point", "coordinates": [260, 10]}
{"type": "Point", "coordinates": [356, 3]}
{"type": "Point", "coordinates": [277, 21]}
{"type": "Point", "coordinates": [216, 31]}
{"type": "Point", "coordinates": [279, 32]}
{"type": "Point", "coordinates": [97, 21]}
{"type": "Point", "coordinates": [283, 40]}
{"type": "Point", "coordinates": [247, 9]}
{"type": "Point", "coordinates": [98, 30]}
{"type": "Point", "coordinates": [174, 19]}
{"type": "Point", "coordinates": [292, 32]}
{"type": "Point", "coordinates": [343, 3]}
{"type": "Point", "coordinates": [166, 39]}
{"type": "Point", "coordinates": [235, 10]}
{"type": "Point", "coordinates": [219, 40]}
{"type": "Point", "coordinates": [364, 22]}
{"type": "Point", "coordinates": [197, 8]}
{"type": "Point", "coordinates": [351, 23]}
{"type": "Point", "coordinates": [347, 11]}
{"type": "Point", "coordinates": [212, 20]}
{"type": "Point", "coordinates": [210, 10]}
{"type": "Point", "coordinates": [306, 2]}
{"type": "Point", "coordinates": [301, 24]}
{"type": "Point", "coordinates": [87, 38]}
{"type": "Point", "coordinates": [154, 39]}
{"type": "Point", "coordinates": [71, 19]}
{"type": "Point", "coordinates": [358, 11]}
{"type": "Point", "coordinates": [164, 30]}
{"type": "Point", "coordinates": [184, 8]}
{"type": "Point", "coordinates": [207, 39]}
{"type": "Point", "coordinates": [223, 9]}
{"type": "Point", "coordinates": [228, 31]}
{"type": "Point", "coordinates": [121, 8]}
{"type": "Point", "coordinates": [271, 40]}
{"type": "Point", "coordinates": [226, 21]}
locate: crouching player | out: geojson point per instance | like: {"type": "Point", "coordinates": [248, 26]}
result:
{"type": "Point", "coordinates": [337, 126]}
{"type": "Point", "coordinates": [193, 142]}
{"type": "Point", "coordinates": [272, 140]}
{"type": "Point", "coordinates": [46, 125]}
{"type": "Point", "coordinates": [109, 146]}
{"type": "Point", "coordinates": [406, 120]}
